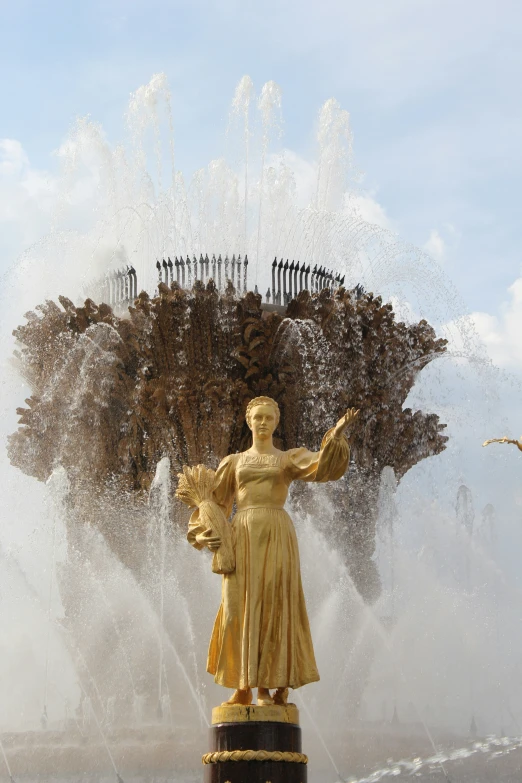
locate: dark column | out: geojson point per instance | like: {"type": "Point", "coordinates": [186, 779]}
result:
{"type": "Point", "coordinates": [245, 272]}
{"type": "Point", "coordinates": [291, 290]}
{"type": "Point", "coordinates": [249, 730]}
{"type": "Point", "coordinates": [227, 278]}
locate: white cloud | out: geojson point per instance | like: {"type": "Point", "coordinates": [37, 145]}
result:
{"type": "Point", "coordinates": [26, 199]}
{"type": "Point", "coordinates": [502, 334]}
{"type": "Point", "coordinates": [373, 212]}
{"type": "Point", "coordinates": [304, 173]}
{"type": "Point", "coordinates": [45, 218]}
{"type": "Point", "coordinates": [435, 246]}
{"type": "Point", "coordinates": [305, 176]}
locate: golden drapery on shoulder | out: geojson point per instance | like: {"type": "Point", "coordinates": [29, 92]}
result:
{"type": "Point", "coordinates": [261, 635]}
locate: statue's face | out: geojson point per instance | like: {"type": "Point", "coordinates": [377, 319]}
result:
{"type": "Point", "coordinates": [263, 421]}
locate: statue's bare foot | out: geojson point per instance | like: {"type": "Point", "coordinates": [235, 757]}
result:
{"type": "Point", "coordinates": [281, 697]}
{"type": "Point", "coordinates": [263, 697]}
{"type": "Point", "coordinates": [240, 697]}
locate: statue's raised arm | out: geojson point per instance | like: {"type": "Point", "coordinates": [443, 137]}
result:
{"type": "Point", "coordinates": [517, 443]}
{"type": "Point", "coordinates": [345, 422]}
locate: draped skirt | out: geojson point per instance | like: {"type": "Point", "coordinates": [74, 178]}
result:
{"type": "Point", "coordinates": [261, 635]}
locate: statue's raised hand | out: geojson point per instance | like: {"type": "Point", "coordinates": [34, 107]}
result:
{"type": "Point", "coordinates": [345, 421]}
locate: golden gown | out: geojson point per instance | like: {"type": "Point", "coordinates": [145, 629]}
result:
{"type": "Point", "coordinates": [261, 635]}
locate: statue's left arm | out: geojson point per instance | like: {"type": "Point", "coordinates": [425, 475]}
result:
{"type": "Point", "coordinates": [330, 462]}
{"type": "Point", "coordinates": [223, 494]}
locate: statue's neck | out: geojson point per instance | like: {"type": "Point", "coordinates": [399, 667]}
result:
{"type": "Point", "coordinates": [263, 446]}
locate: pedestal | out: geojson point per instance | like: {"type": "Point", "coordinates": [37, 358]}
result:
{"type": "Point", "coordinates": [255, 745]}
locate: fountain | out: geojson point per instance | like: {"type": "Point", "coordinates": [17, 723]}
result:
{"type": "Point", "coordinates": [165, 329]}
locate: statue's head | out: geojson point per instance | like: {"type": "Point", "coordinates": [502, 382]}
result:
{"type": "Point", "coordinates": [262, 416]}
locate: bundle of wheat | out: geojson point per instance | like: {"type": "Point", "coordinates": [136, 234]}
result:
{"type": "Point", "coordinates": [208, 522]}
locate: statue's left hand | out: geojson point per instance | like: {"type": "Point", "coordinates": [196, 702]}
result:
{"type": "Point", "coordinates": [345, 421]}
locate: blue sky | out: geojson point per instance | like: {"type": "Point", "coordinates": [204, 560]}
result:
{"type": "Point", "coordinates": [432, 86]}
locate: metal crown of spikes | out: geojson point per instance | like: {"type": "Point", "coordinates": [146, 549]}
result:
{"type": "Point", "coordinates": [288, 279]}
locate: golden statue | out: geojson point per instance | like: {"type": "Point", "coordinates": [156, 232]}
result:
{"type": "Point", "coordinates": [517, 443]}
{"type": "Point", "coordinates": [261, 636]}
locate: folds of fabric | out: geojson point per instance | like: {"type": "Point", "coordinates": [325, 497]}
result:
{"type": "Point", "coordinates": [261, 635]}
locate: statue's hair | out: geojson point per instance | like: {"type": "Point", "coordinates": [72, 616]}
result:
{"type": "Point", "coordinates": [261, 401]}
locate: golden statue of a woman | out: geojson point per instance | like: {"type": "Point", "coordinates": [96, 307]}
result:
{"type": "Point", "coordinates": [261, 636]}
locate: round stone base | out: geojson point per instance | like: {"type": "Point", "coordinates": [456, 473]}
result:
{"type": "Point", "coordinates": [255, 745]}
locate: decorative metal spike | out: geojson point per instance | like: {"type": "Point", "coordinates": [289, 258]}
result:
{"type": "Point", "coordinates": [274, 263]}
{"type": "Point", "coordinates": [238, 273]}
{"type": "Point", "coordinates": [301, 278]}
{"type": "Point", "coordinates": [245, 274]}
{"type": "Point", "coordinates": [277, 296]}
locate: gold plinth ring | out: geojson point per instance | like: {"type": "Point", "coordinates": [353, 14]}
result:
{"type": "Point", "coordinates": [241, 713]}
{"type": "Point", "coordinates": [254, 755]}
